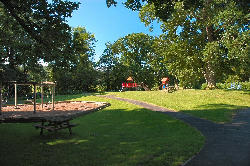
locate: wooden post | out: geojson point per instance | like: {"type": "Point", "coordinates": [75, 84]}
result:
{"type": "Point", "coordinates": [15, 95]}
{"type": "Point", "coordinates": [42, 95]}
{"type": "Point", "coordinates": [53, 98]}
{"type": "Point", "coordinates": [0, 98]}
{"type": "Point", "coordinates": [34, 98]}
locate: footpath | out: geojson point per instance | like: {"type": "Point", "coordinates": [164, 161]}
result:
{"type": "Point", "coordinates": [226, 144]}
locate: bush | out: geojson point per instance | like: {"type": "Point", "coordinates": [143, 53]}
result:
{"type": "Point", "coordinates": [220, 85]}
{"type": "Point", "coordinates": [234, 85]}
{"type": "Point", "coordinates": [204, 86]}
{"type": "Point", "coordinates": [155, 88]}
{"type": "Point", "coordinates": [245, 85]}
{"type": "Point", "coordinates": [232, 78]}
{"type": "Point", "coordinates": [101, 88]}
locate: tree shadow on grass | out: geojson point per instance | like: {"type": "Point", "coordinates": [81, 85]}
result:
{"type": "Point", "coordinates": [108, 137]}
{"type": "Point", "coordinates": [221, 112]}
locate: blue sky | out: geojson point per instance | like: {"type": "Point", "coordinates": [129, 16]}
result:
{"type": "Point", "coordinates": [108, 24]}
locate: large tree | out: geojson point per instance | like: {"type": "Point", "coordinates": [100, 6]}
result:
{"type": "Point", "coordinates": [32, 31]}
{"type": "Point", "coordinates": [135, 50]}
{"type": "Point", "coordinates": [39, 22]}
{"type": "Point", "coordinates": [17, 49]}
{"type": "Point", "coordinates": [134, 55]}
{"type": "Point", "coordinates": [215, 32]}
{"type": "Point", "coordinates": [44, 21]}
{"type": "Point", "coordinates": [74, 70]}
{"type": "Point", "coordinates": [112, 71]}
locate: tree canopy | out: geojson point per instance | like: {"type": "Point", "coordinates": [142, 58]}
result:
{"type": "Point", "coordinates": [205, 37]}
{"type": "Point", "coordinates": [36, 31]}
{"type": "Point", "coordinates": [43, 23]}
{"type": "Point", "coordinates": [201, 41]}
{"type": "Point", "coordinates": [134, 55]}
{"type": "Point", "coordinates": [32, 31]}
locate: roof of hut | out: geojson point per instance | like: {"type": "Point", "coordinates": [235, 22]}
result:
{"type": "Point", "coordinates": [130, 79]}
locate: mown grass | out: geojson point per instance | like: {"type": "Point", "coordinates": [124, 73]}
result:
{"type": "Point", "coordinates": [122, 134]}
{"type": "Point", "coordinates": [214, 105]}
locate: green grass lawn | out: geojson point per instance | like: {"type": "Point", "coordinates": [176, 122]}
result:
{"type": "Point", "coordinates": [215, 105]}
{"type": "Point", "coordinates": [120, 135]}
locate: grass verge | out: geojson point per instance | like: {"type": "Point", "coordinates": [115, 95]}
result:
{"type": "Point", "coordinates": [122, 134]}
{"type": "Point", "coordinates": [214, 105]}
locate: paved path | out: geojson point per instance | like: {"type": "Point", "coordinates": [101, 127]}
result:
{"type": "Point", "coordinates": [226, 144]}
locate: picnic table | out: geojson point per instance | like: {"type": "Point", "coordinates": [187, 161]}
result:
{"type": "Point", "coordinates": [53, 126]}
{"type": "Point", "coordinates": [54, 120]}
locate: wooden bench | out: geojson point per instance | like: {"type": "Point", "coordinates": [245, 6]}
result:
{"type": "Point", "coordinates": [53, 126]}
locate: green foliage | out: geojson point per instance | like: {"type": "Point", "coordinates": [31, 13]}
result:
{"type": "Point", "coordinates": [237, 85]}
{"type": "Point", "coordinates": [134, 55]}
{"type": "Point", "coordinates": [134, 50]}
{"type": "Point", "coordinates": [204, 86]}
{"type": "Point", "coordinates": [155, 88]}
{"type": "Point", "coordinates": [75, 71]}
{"type": "Point", "coordinates": [42, 21]}
{"type": "Point", "coordinates": [203, 39]}
{"type": "Point", "coordinates": [112, 71]}
{"type": "Point", "coordinates": [220, 86]}
{"type": "Point", "coordinates": [245, 85]}
{"type": "Point", "coordinates": [101, 88]}
{"type": "Point", "coordinates": [232, 78]}
{"type": "Point", "coordinates": [31, 32]}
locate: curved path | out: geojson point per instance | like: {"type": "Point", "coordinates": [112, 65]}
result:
{"type": "Point", "coordinates": [226, 144]}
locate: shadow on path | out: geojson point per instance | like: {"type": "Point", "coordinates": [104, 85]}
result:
{"type": "Point", "coordinates": [226, 144]}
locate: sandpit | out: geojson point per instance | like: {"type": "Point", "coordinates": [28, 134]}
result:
{"type": "Point", "coordinates": [65, 110]}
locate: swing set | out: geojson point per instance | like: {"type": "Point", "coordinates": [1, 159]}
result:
{"type": "Point", "coordinates": [56, 119]}
{"type": "Point", "coordinates": [35, 85]}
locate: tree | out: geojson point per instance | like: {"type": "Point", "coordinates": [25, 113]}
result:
{"type": "Point", "coordinates": [32, 31]}
{"type": "Point", "coordinates": [74, 69]}
{"type": "Point", "coordinates": [133, 55]}
{"type": "Point", "coordinates": [112, 71]}
{"type": "Point", "coordinates": [216, 31]}
{"type": "Point", "coordinates": [42, 21]}
{"type": "Point", "coordinates": [18, 53]}
{"type": "Point", "coordinates": [135, 50]}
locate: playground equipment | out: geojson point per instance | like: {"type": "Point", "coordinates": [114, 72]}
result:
{"type": "Point", "coordinates": [55, 119]}
{"type": "Point", "coordinates": [130, 84]}
{"type": "Point", "coordinates": [165, 85]}
{"type": "Point", "coordinates": [164, 81]}
{"type": "Point", "coordinates": [35, 85]}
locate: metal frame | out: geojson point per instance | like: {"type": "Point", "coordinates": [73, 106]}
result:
{"type": "Point", "coordinates": [35, 84]}
{"type": "Point", "coordinates": [0, 98]}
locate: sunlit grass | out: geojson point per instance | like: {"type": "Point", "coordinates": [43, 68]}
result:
{"type": "Point", "coordinates": [122, 134]}
{"type": "Point", "coordinates": [215, 105]}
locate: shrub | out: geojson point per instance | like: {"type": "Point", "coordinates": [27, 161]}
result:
{"type": "Point", "coordinates": [204, 86]}
{"type": "Point", "coordinates": [155, 88]}
{"type": "Point", "coordinates": [232, 78]}
{"type": "Point", "coordinates": [220, 86]}
{"type": "Point", "coordinates": [101, 88]}
{"type": "Point", "coordinates": [245, 85]}
{"type": "Point", "coordinates": [237, 85]}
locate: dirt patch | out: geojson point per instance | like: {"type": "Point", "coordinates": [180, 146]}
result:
{"type": "Point", "coordinates": [62, 111]}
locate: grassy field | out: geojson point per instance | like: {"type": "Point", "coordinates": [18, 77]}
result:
{"type": "Point", "coordinates": [120, 135]}
{"type": "Point", "coordinates": [215, 105]}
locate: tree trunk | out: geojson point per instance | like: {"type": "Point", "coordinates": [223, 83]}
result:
{"type": "Point", "coordinates": [209, 68]}
{"type": "Point", "coordinates": [210, 76]}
